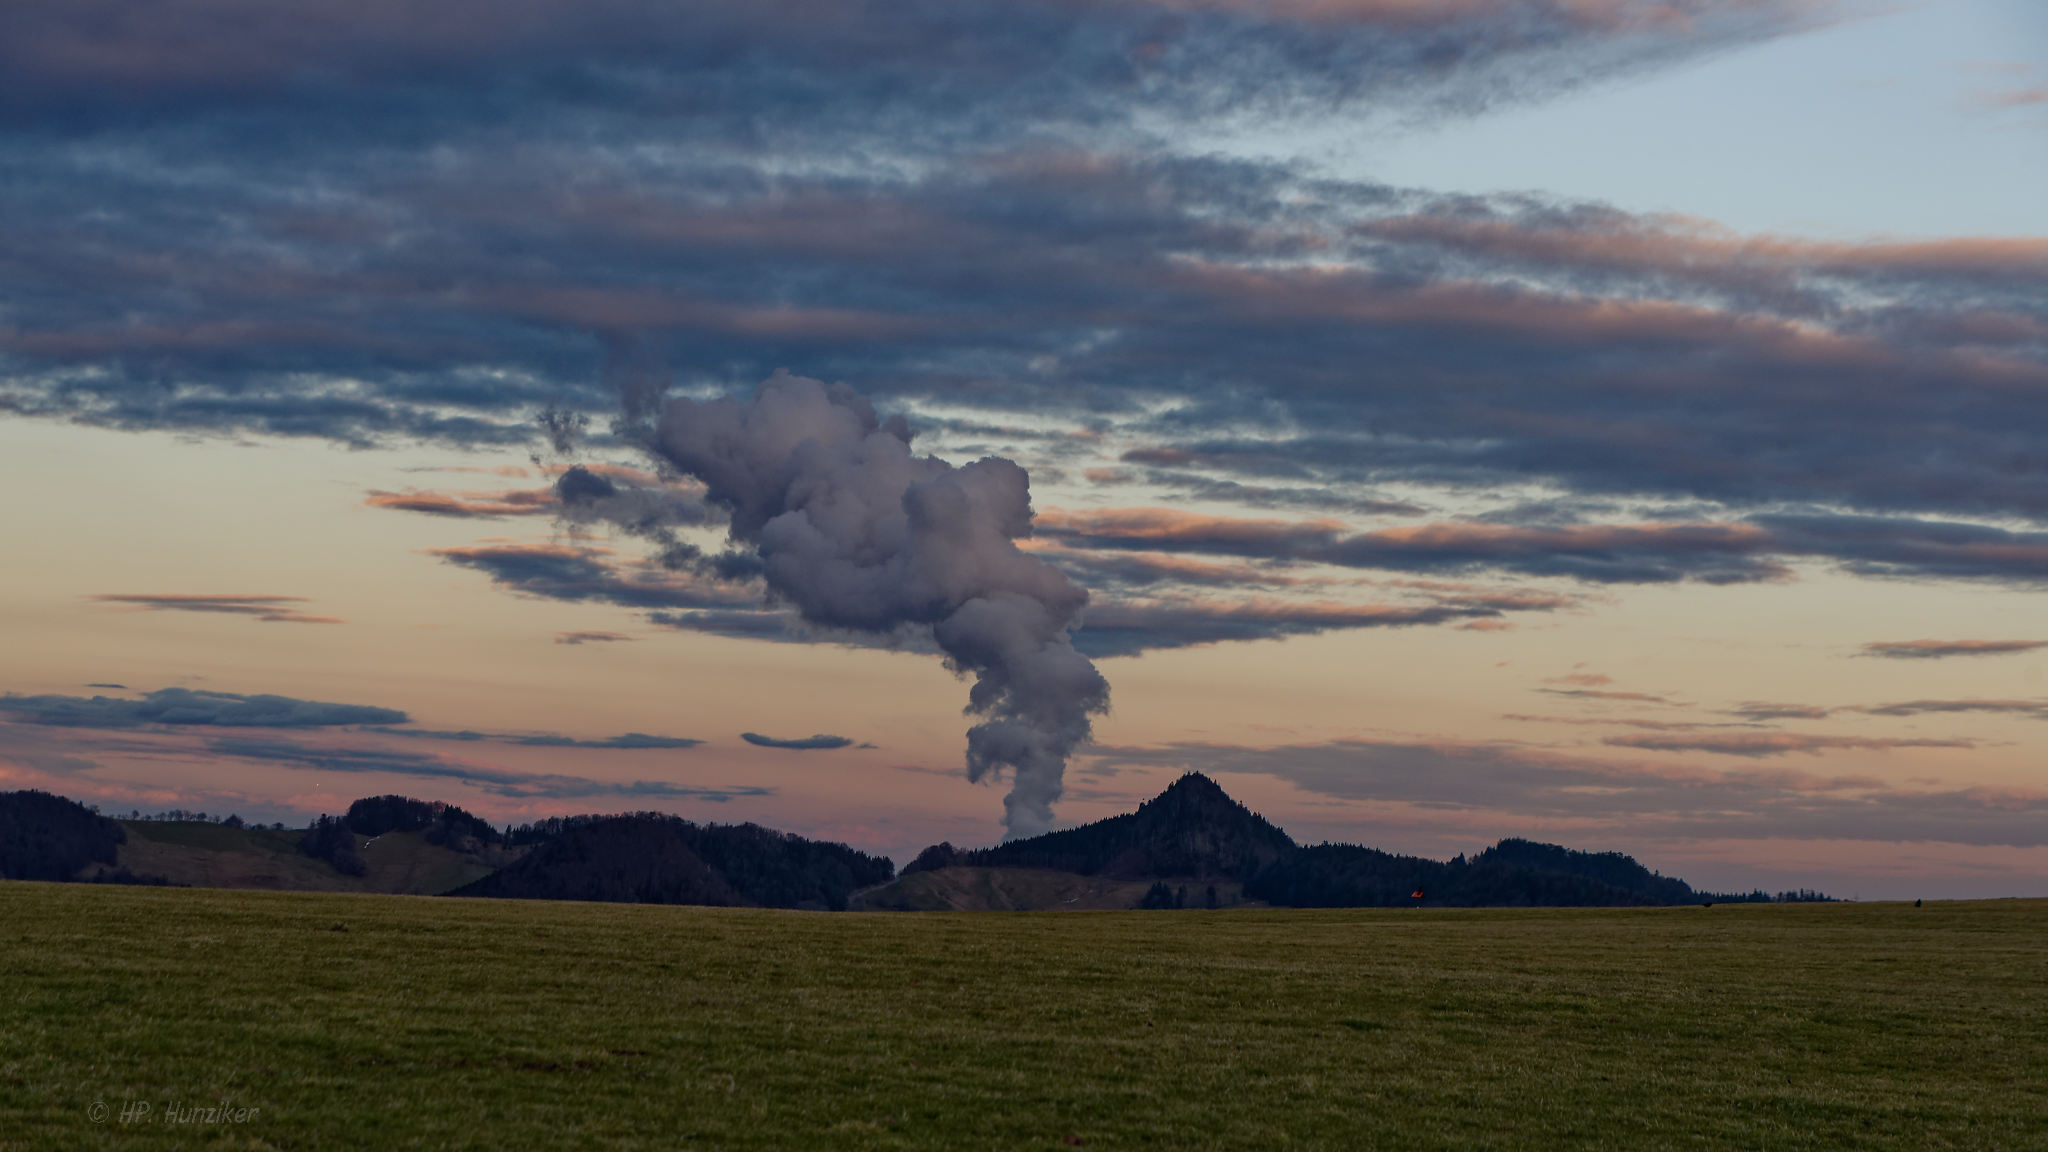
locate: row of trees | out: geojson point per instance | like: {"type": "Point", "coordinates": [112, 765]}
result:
{"type": "Point", "coordinates": [184, 816]}
{"type": "Point", "coordinates": [331, 839]}
{"type": "Point", "coordinates": [1160, 897]}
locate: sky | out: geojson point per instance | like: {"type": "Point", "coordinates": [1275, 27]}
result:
{"type": "Point", "coordinates": [1612, 422]}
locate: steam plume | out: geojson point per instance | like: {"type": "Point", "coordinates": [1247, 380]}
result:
{"type": "Point", "coordinates": [857, 532]}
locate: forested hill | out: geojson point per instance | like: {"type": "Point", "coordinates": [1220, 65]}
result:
{"type": "Point", "coordinates": [1512, 873]}
{"type": "Point", "coordinates": [652, 858]}
{"type": "Point", "coordinates": [1191, 843]}
{"type": "Point", "coordinates": [1192, 829]}
{"type": "Point", "coordinates": [45, 837]}
{"type": "Point", "coordinates": [1194, 832]}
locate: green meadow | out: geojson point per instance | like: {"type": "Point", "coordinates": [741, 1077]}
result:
{"type": "Point", "coordinates": [337, 1020]}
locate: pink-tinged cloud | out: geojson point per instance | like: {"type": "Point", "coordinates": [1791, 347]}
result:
{"type": "Point", "coordinates": [267, 608]}
{"type": "Point", "coordinates": [1634, 553]}
{"type": "Point", "coordinates": [468, 505]}
{"type": "Point", "coordinates": [1686, 248]}
{"type": "Point", "coordinates": [1167, 526]}
{"type": "Point", "coordinates": [2019, 97]}
{"type": "Point", "coordinates": [1938, 649]}
{"type": "Point", "coordinates": [1757, 745]}
{"type": "Point", "coordinates": [1765, 710]}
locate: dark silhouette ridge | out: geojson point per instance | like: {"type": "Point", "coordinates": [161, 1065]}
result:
{"type": "Point", "coordinates": [444, 824]}
{"type": "Point", "coordinates": [1192, 846]}
{"type": "Point", "coordinates": [1195, 831]}
{"type": "Point", "coordinates": [652, 858]}
{"type": "Point", "coordinates": [624, 859]}
{"type": "Point", "coordinates": [1192, 829]}
{"type": "Point", "coordinates": [45, 837]}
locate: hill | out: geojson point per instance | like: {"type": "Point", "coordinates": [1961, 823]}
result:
{"type": "Point", "coordinates": [1192, 830]}
{"type": "Point", "coordinates": [45, 837]}
{"type": "Point", "coordinates": [1194, 837]}
{"type": "Point", "coordinates": [652, 858]}
{"type": "Point", "coordinates": [1192, 846]}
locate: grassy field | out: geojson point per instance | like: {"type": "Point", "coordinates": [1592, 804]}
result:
{"type": "Point", "coordinates": [361, 1021]}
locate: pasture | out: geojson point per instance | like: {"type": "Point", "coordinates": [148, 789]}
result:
{"type": "Point", "coordinates": [336, 1020]}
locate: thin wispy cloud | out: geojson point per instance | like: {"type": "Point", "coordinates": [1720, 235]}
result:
{"type": "Point", "coordinates": [191, 708]}
{"type": "Point", "coordinates": [270, 609]}
{"type": "Point", "coordinates": [1940, 649]}
{"type": "Point", "coordinates": [630, 741]}
{"type": "Point", "coordinates": [515, 785]}
{"type": "Point", "coordinates": [802, 744]}
{"type": "Point", "coordinates": [593, 636]}
{"type": "Point", "coordinates": [1757, 745]}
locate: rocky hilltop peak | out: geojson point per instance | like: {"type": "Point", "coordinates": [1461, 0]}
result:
{"type": "Point", "coordinates": [1193, 829]}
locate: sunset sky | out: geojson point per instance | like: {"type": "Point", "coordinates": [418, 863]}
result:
{"type": "Point", "coordinates": [1621, 423]}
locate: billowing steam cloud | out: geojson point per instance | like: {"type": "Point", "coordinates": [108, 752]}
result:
{"type": "Point", "coordinates": [857, 532]}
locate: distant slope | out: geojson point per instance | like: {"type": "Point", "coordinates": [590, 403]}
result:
{"type": "Point", "coordinates": [650, 858]}
{"type": "Point", "coordinates": [1171, 852]}
{"type": "Point", "coordinates": [206, 855]}
{"type": "Point", "coordinates": [1193, 830]}
{"type": "Point", "coordinates": [1348, 876]}
{"type": "Point", "coordinates": [1193, 834]}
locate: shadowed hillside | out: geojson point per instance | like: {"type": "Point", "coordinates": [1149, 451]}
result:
{"type": "Point", "coordinates": [1190, 847]}
{"type": "Point", "coordinates": [1193, 846]}
{"type": "Point", "coordinates": [1193, 829]}
{"type": "Point", "coordinates": [651, 858]}
{"type": "Point", "coordinates": [45, 837]}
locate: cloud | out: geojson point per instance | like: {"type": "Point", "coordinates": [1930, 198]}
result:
{"type": "Point", "coordinates": [188, 707]}
{"type": "Point", "coordinates": [355, 759]}
{"type": "Point", "coordinates": [1600, 694]}
{"type": "Point", "coordinates": [2019, 97]}
{"type": "Point", "coordinates": [269, 609]}
{"type": "Point", "coordinates": [2034, 708]}
{"type": "Point", "coordinates": [1132, 627]}
{"type": "Point", "coordinates": [1937, 649]}
{"type": "Point", "coordinates": [1766, 711]}
{"type": "Point", "coordinates": [593, 637]}
{"type": "Point", "coordinates": [1761, 744]}
{"type": "Point", "coordinates": [1506, 787]}
{"type": "Point", "coordinates": [1626, 553]}
{"type": "Point", "coordinates": [184, 706]}
{"type": "Point", "coordinates": [631, 740]}
{"type": "Point", "coordinates": [575, 573]}
{"type": "Point", "coordinates": [1757, 548]}
{"type": "Point", "coordinates": [1571, 346]}
{"type": "Point", "coordinates": [804, 744]}
{"type": "Point", "coordinates": [787, 58]}
{"type": "Point", "coordinates": [469, 505]}
{"type": "Point", "coordinates": [1763, 710]}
